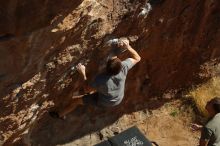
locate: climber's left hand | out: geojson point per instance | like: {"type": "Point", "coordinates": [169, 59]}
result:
{"type": "Point", "coordinates": [82, 70]}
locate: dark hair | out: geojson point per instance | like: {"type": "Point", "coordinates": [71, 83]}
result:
{"type": "Point", "coordinates": [216, 104]}
{"type": "Point", "coordinates": [113, 66]}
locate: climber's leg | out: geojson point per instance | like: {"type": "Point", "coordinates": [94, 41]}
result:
{"type": "Point", "coordinates": [87, 99]}
{"type": "Point", "coordinates": [76, 101]}
{"type": "Point", "coordinates": [91, 99]}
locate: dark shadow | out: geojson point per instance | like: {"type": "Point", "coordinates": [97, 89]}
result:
{"type": "Point", "coordinates": [156, 2]}
{"type": "Point", "coordinates": [83, 121]}
{"type": "Point", "coordinates": [6, 37]}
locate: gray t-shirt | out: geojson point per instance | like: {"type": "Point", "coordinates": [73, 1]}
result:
{"type": "Point", "coordinates": [211, 131]}
{"type": "Point", "coordinates": [111, 88]}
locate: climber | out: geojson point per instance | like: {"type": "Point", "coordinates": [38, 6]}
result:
{"type": "Point", "coordinates": [210, 133]}
{"type": "Point", "coordinates": [109, 85]}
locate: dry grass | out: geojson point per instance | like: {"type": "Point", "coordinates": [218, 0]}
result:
{"type": "Point", "coordinates": [206, 92]}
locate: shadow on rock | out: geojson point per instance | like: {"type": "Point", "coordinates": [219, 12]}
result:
{"type": "Point", "coordinates": [83, 121]}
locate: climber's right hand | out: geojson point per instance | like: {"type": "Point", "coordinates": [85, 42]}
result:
{"type": "Point", "coordinates": [82, 70]}
{"type": "Point", "coordinates": [124, 43]}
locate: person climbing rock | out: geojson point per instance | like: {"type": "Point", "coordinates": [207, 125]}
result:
{"type": "Point", "coordinates": [109, 84]}
{"type": "Point", "coordinates": [210, 133]}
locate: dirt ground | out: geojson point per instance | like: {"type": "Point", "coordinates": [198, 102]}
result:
{"type": "Point", "coordinates": [168, 126]}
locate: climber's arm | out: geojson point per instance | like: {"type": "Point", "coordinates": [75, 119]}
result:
{"type": "Point", "coordinates": [206, 135]}
{"type": "Point", "coordinates": [135, 57]}
{"type": "Point", "coordinates": [82, 70]}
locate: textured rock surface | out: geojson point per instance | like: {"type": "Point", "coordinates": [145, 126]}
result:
{"type": "Point", "coordinates": [41, 40]}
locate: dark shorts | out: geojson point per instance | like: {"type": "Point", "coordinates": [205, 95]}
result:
{"type": "Point", "coordinates": [91, 99]}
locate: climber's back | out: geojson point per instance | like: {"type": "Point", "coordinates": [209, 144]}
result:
{"type": "Point", "coordinates": [110, 85]}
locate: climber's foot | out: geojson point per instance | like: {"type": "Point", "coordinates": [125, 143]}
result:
{"type": "Point", "coordinates": [55, 115]}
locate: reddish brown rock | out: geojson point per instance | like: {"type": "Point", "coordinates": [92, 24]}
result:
{"type": "Point", "coordinates": [41, 40]}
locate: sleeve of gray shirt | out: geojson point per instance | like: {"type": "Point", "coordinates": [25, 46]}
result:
{"type": "Point", "coordinates": [206, 133]}
{"type": "Point", "coordinates": [127, 65]}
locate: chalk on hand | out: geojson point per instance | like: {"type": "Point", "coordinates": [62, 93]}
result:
{"type": "Point", "coordinates": [113, 42]}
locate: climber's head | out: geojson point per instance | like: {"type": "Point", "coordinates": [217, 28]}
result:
{"type": "Point", "coordinates": [213, 106]}
{"type": "Point", "coordinates": [113, 66]}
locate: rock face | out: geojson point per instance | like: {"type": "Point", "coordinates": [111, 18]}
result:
{"type": "Point", "coordinates": [41, 40]}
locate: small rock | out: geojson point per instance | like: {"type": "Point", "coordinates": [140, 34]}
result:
{"type": "Point", "coordinates": [133, 38]}
{"type": "Point", "coordinates": [116, 130]}
{"type": "Point", "coordinates": [34, 107]}
{"type": "Point", "coordinates": [145, 10]}
{"type": "Point", "coordinates": [161, 20]}
{"type": "Point", "coordinates": [55, 30]}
